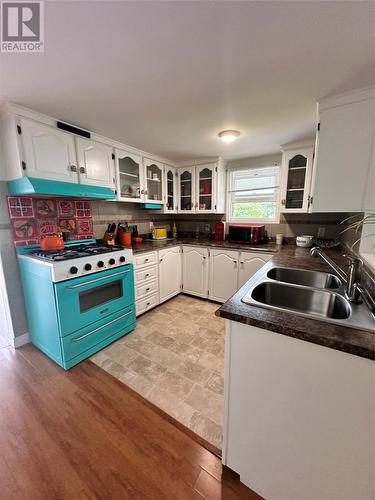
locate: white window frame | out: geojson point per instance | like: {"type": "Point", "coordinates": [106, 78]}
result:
{"type": "Point", "coordinates": [232, 220]}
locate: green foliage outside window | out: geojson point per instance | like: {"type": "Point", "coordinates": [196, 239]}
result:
{"type": "Point", "coordinates": [265, 210]}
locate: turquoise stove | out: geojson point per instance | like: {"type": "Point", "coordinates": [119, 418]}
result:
{"type": "Point", "coordinates": [78, 300]}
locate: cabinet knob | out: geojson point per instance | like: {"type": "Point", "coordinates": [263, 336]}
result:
{"type": "Point", "coordinates": [204, 257]}
{"type": "Point", "coordinates": [161, 260]}
{"type": "Point", "coordinates": [73, 168]}
{"type": "Point", "coordinates": [82, 170]}
{"type": "Point", "coordinates": [234, 262]}
{"type": "Point", "coordinates": [283, 202]}
{"type": "Point", "coordinates": [142, 191]}
{"type": "Point", "coordinates": [242, 262]}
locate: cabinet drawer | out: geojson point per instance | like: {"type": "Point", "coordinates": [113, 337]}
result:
{"type": "Point", "coordinates": [144, 290]}
{"type": "Point", "coordinates": [85, 339]}
{"type": "Point", "coordinates": [143, 275]}
{"type": "Point", "coordinates": [146, 304]}
{"type": "Point", "coordinates": [145, 259]}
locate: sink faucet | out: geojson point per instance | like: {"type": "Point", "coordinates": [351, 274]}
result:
{"type": "Point", "coordinates": [351, 278]}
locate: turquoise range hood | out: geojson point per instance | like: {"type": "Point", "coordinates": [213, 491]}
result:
{"type": "Point", "coordinates": [28, 186]}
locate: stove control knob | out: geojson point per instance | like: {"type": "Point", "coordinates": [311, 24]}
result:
{"type": "Point", "coordinates": [100, 263]}
{"type": "Point", "coordinates": [122, 258]}
{"type": "Point", "coordinates": [73, 270]}
{"type": "Point", "coordinates": [88, 267]}
{"type": "Point", "coordinates": [111, 262]}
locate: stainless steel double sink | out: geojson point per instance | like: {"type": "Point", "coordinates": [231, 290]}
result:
{"type": "Point", "coordinates": [311, 294]}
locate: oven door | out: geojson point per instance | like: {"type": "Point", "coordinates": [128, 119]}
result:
{"type": "Point", "coordinates": [85, 300]}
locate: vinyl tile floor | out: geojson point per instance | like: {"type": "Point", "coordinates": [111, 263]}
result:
{"type": "Point", "coordinates": [175, 359]}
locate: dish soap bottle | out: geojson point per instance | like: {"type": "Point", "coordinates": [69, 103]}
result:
{"type": "Point", "coordinates": [174, 230]}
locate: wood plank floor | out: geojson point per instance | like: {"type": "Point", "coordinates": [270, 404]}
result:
{"type": "Point", "coordinates": [84, 435]}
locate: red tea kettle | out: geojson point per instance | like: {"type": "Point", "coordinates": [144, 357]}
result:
{"type": "Point", "coordinates": [51, 242]}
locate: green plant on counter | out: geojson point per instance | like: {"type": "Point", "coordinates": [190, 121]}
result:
{"type": "Point", "coordinates": [357, 225]}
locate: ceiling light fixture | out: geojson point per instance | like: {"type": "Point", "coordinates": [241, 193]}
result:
{"type": "Point", "coordinates": [228, 135]}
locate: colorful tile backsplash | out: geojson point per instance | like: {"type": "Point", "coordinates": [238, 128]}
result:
{"type": "Point", "coordinates": [32, 218]}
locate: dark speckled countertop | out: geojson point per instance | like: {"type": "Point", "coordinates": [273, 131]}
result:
{"type": "Point", "coordinates": [340, 337]}
{"type": "Point", "coordinates": [149, 246]}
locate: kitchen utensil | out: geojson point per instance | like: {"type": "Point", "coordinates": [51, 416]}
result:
{"type": "Point", "coordinates": [304, 241]}
{"type": "Point", "coordinates": [160, 233]}
{"type": "Point", "coordinates": [51, 242]}
{"type": "Point", "coordinates": [125, 238]}
{"type": "Point", "coordinates": [219, 230]}
{"type": "Point", "coordinates": [279, 239]}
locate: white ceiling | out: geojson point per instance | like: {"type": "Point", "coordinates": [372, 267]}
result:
{"type": "Point", "coordinates": [168, 76]}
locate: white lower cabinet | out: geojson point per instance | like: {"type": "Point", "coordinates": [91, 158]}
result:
{"type": "Point", "coordinates": [270, 424]}
{"type": "Point", "coordinates": [210, 273]}
{"type": "Point", "coordinates": [249, 264]}
{"type": "Point", "coordinates": [223, 274]}
{"type": "Point", "coordinates": [169, 273]}
{"type": "Point", "coordinates": [147, 303]}
{"type": "Point", "coordinates": [195, 271]}
{"type": "Point", "coordinates": [146, 282]}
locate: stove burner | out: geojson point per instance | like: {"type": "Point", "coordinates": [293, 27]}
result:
{"type": "Point", "coordinates": [74, 252]}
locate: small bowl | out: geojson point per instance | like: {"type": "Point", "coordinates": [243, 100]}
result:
{"type": "Point", "coordinates": [304, 241]}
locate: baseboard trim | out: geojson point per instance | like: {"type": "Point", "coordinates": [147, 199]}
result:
{"type": "Point", "coordinates": [21, 340]}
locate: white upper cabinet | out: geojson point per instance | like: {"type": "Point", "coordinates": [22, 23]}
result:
{"type": "Point", "coordinates": [195, 271]}
{"type": "Point", "coordinates": [249, 264]}
{"type": "Point", "coordinates": [153, 171]}
{"type": "Point", "coordinates": [170, 190]}
{"type": "Point", "coordinates": [344, 144]}
{"type": "Point", "coordinates": [186, 185]}
{"type": "Point", "coordinates": [169, 273]}
{"type": "Point", "coordinates": [297, 166]}
{"type": "Point", "coordinates": [205, 188]}
{"type": "Point", "coordinates": [202, 188]}
{"type": "Point", "coordinates": [223, 274]}
{"type": "Point", "coordinates": [47, 152]}
{"type": "Point", "coordinates": [95, 161]}
{"type": "Point", "coordinates": [129, 175]}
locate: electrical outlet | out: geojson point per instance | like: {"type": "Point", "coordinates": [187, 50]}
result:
{"type": "Point", "coordinates": [321, 232]}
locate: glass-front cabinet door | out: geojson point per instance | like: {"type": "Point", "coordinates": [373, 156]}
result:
{"type": "Point", "coordinates": [154, 181]}
{"type": "Point", "coordinates": [170, 190]}
{"type": "Point", "coordinates": [129, 176]}
{"type": "Point", "coordinates": [205, 188]}
{"type": "Point", "coordinates": [297, 165]}
{"type": "Point", "coordinates": [186, 198]}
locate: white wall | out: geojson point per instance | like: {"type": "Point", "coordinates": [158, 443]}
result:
{"type": "Point", "coordinates": [11, 270]}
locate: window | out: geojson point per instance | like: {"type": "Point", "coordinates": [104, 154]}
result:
{"type": "Point", "coordinates": [253, 194]}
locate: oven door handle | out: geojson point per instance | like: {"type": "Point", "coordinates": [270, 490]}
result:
{"type": "Point", "coordinates": [78, 339]}
{"type": "Point", "coordinates": [97, 279]}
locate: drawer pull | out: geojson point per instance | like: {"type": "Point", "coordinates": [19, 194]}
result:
{"type": "Point", "coordinates": [78, 339]}
{"type": "Point", "coordinates": [147, 289]}
{"type": "Point", "coordinates": [148, 303]}
{"type": "Point", "coordinates": [146, 260]}
{"type": "Point", "coordinates": [147, 275]}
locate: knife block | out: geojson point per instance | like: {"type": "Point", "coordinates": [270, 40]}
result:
{"type": "Point", "coordinates": [109, 239]}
